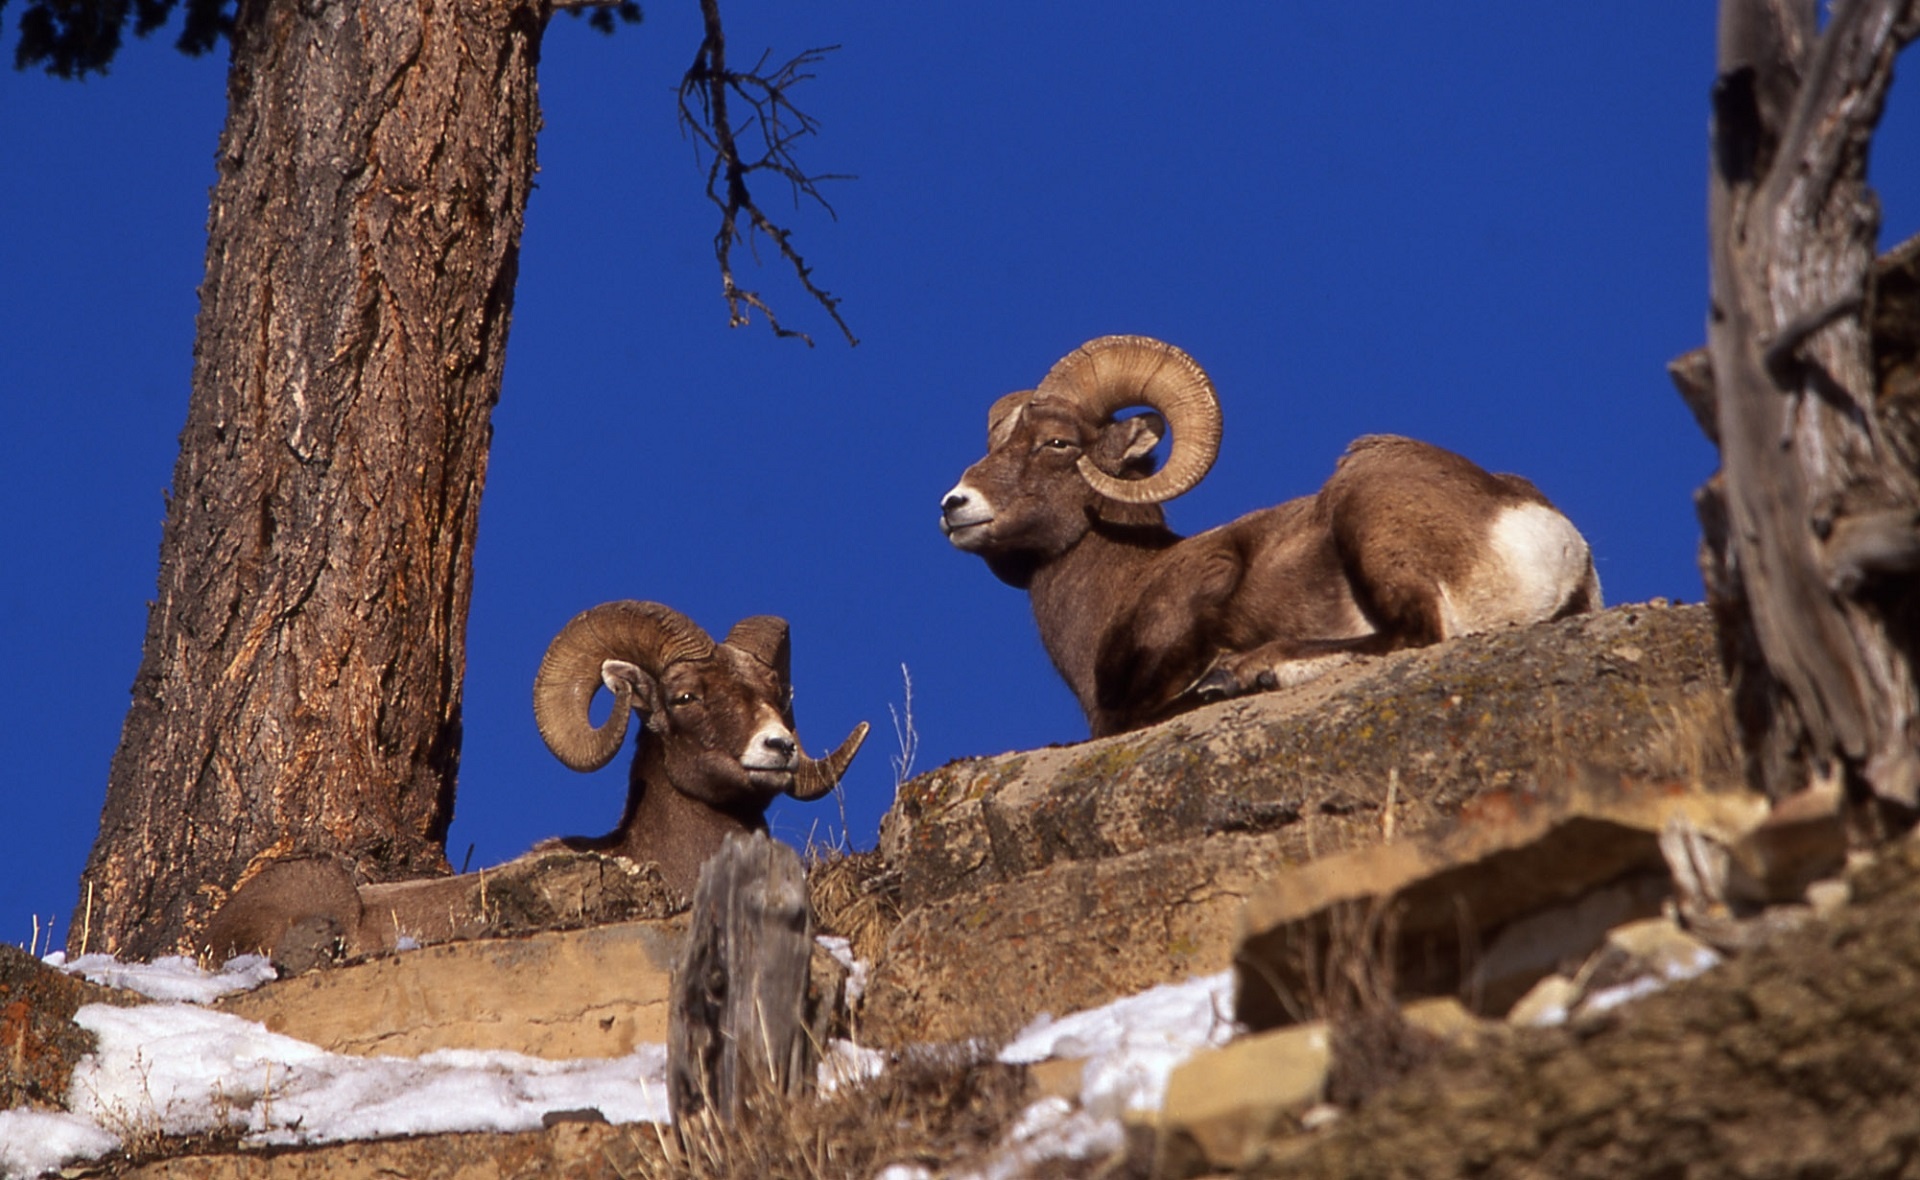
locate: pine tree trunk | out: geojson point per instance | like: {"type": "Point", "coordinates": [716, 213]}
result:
{"type": "Point", "coordinates": [1811, 539]}
{"type": "Point", "coordinates": [301, 678]}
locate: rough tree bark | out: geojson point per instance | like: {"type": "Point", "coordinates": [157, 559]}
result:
{"type": "Point", "coordinates": [300, 682]}
{"type": "Point", "coordinates": [1811, 539]}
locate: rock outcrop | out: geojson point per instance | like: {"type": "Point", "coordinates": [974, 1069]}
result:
{"type": "Point", "coordinates": [1416, 734]}
{"type": "Point", "coordinates": [585, 993]}
{"type": "Point", "coordinates": [1077, 874]}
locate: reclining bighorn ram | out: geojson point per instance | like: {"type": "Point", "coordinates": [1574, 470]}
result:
{"type": "Point", "coordinates": [718, 745]}
{"type": "Point", "coordinates": [1406, 544]}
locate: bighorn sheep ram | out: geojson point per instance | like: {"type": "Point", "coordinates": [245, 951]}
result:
{"type": "Point", "coordinates": [1406, 544]}
{"type": "Point", "coordinates": [718, 745]}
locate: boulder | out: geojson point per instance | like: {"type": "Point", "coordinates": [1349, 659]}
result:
{"type": "Point", "coordinates": [1795, 1059]}
{"type": "Point", "coordinates": [1075, 875]}
{"type": "Point", "coordinates": [1525, 883]}
{"type": "Point", "coordinates": [1072, 936]}
{"type": "Point", "coordinates": [1224, 1101]}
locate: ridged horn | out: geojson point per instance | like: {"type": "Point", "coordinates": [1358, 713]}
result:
{"type": "Point", "coordinates": [1115, 372]}
{"type": "Point", "coordinates": [765, 638]}
{"type": "Point", "coordinates": [646, 634]}
{"type": "Point", "coordinates": [812, 779]}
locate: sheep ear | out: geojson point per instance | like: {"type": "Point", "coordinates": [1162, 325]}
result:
{"type": "Point", "coordinates": [1004, 416]}
{"type": "Point", "coordinates": [765, 638]}
{"type": "Point", "coordinates": [1128, 444]}
{"type": "Point", "coordinates": [633, 688]}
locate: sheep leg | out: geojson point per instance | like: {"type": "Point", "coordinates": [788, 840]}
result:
{"type": "Point", "coordinates": [1280, 664]}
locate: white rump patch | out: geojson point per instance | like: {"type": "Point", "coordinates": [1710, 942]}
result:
{"type": "Point", "coordinates": [1536, 563]}
{"type": "Point", "coordinates": [1545, 558]}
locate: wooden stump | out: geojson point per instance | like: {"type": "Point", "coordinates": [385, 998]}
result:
{"type": "Point", "coordinates": [737, 1020]}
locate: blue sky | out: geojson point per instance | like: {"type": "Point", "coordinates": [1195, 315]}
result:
{"type": "Point", "coordinates": [1483, 226]}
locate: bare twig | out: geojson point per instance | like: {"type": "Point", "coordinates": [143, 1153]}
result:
{"type": "Point", "coordinates": [905, 734]}
{"type": "Point", "coordinates": [705, 93]}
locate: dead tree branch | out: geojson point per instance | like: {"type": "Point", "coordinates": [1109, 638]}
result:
{"type": "Point", "coordinates": [707, 93]}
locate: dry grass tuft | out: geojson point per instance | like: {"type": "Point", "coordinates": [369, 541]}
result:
{"type": "Point", "coordinates": [853, 898]}
{"type": "Point", "coordinates": [1696, 739]}
{"type": "Point", "coordinates": [1350, 970]}
{"type": "Point", "coordinates": [933, 1107]}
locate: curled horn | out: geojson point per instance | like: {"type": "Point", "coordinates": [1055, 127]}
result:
{"type": "Point", "coordinates": [1114, 372]}
{"type": "Point", "coordinates": [814, 778]}
{"type": "Point", "coordinates": [646, 634]}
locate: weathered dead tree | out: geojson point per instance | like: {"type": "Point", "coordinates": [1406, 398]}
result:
{"type": "Point", "coordinates": [1811, 542]}
{"type": "Point", "coordinates": [736, 1023]}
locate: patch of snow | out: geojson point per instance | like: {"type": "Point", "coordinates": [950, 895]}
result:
{"type": "Point", "coordinates": [175, 1068]}
{"type": "Point", "coordinates": [903, 1172]}
{"type": "Point", "coordinates": [847, 1064]}
{"type": "Point", "coordinates": [181, 1069]}
{"type": "Point", "coordinates": [1610, 998]}
{"type": "Point", "coordinates": [1702, 960]}
{"type": "Point", "coordinates": [1674, 970]}
{"type": "Point", "coordinates": [842, 951]}
{"type": "Point", "coordinates": [173, 978]}
{"type": "Point", "coordinates": [1132, 1045]}
{"type": "Point", "coordinates": [34, 1142]}
{"type": "Point", "coordinates": [1050, 1129]}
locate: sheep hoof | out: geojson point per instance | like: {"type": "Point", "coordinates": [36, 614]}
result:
{"type": "Point", "coordinates": [1217, 685]}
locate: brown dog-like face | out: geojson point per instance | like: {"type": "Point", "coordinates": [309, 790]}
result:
{"type": "Point", "coordinates": [1025, 502]}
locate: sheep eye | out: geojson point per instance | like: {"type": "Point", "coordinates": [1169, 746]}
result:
{"type": "Point", "coordinates": [1058, 444]}
{"type": "Point", "coordinates": [683, 698]}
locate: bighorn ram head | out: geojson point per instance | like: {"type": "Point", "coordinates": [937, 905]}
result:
{"type": "Point", "coordinates": [718, 717]}
{"type": "Point", "coordinates": [1058, 459]}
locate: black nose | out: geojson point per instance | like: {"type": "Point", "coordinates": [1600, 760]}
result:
{"type": "Point", "coordinates": [778, 745]}
{"type": "Point", "coordinates": [953, 500]}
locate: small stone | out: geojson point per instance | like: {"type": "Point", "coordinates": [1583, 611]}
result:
{"type": "Point", "coordinates": [1223, 1102]}
{"type": "Point", "coordinates": [1445, 1017]}
{"type": "Point", "coordinates": [1548, 1003]}
{"type": "Point", "coordinates": [1829, 896]}
{"type": "Point", "coordinates": [1057, 1077]}
{"type": "Point", "coordinates": [1655, 946]}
